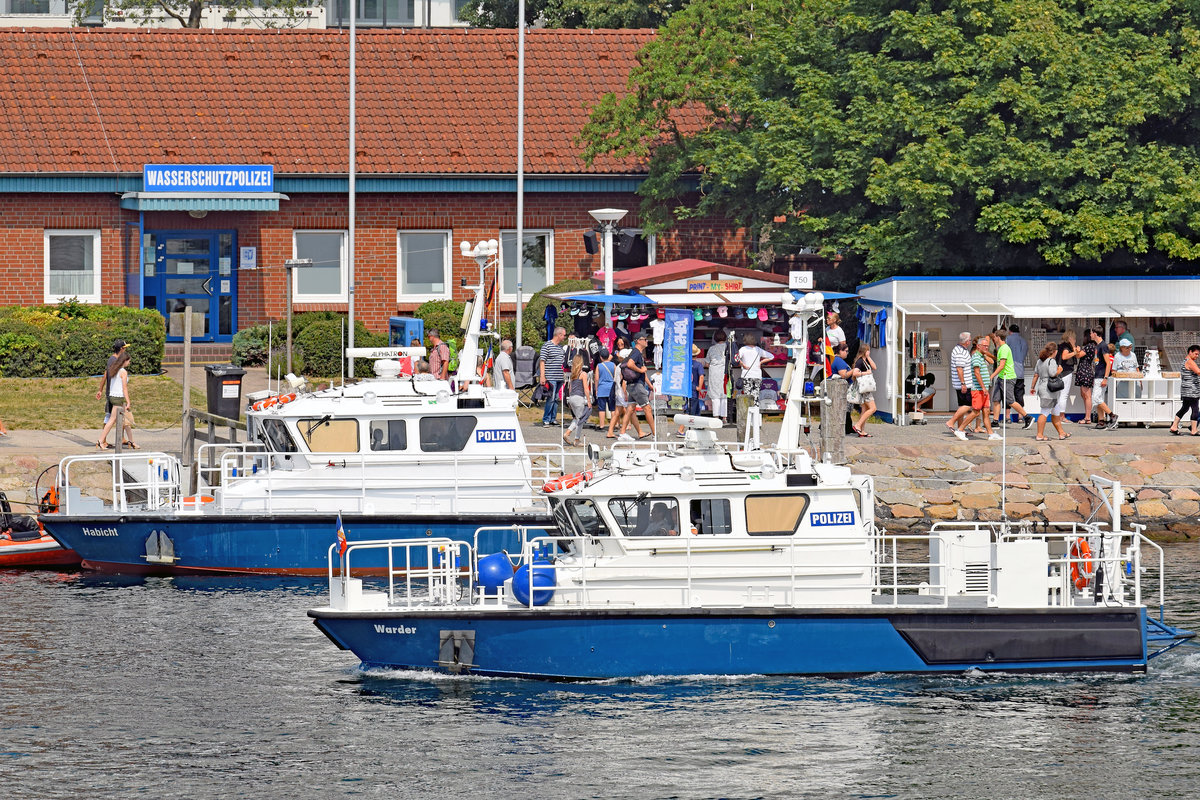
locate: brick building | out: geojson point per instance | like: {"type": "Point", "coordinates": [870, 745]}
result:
{"type": "Point", "coordinates": [87, 110]}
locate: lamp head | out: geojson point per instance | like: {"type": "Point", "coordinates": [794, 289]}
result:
{"type": "Point", "coordinates": [465, 248]}
{"type": "Point", "coordinates": [608, 214]}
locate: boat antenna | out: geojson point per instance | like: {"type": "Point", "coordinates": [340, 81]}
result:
{"type": "Point", "coordinates": [344, 360]}
{"type": "Point", "coordinates": [270, 331]}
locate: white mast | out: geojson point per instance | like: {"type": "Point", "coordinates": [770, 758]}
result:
{"type": "Point", "coordinates": [520, 156]}
{"type": "Point", "coordinates": [350, 233]}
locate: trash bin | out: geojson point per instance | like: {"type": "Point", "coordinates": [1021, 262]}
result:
{"type": "Point", "coordinates": [402, 330]}
{"type": "Point", "coordinates": [224, 386]}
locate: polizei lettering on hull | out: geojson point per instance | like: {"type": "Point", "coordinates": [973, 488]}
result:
{"type": "Point", "coordinates": [100, 531]}
{"type": "Point", "coordinates": [394, 629]}
{"type": "Point", "coordinates": [496, 435]}
{"type": "Point", "coordinates": [820, 519]}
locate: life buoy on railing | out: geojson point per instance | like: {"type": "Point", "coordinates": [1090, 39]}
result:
{"type": "Point", "coordinates": [270, 402]}
{"type": "Point", "coordinates": [1082, 566]}
{"type": "Point", "coordinates": [566, 481]}
{"type": "Point", "coordinates": [197, 500]}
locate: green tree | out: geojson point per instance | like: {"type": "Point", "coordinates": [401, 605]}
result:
{"type": "Point", "coordinates": [573, 13]}
{"type": "Point", "coordinates": [932, 136]}
{"type": "Point", "coordinates": [258, 13]}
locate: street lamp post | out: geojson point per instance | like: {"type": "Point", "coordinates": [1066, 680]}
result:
{"type": "Point", "coordinates": [608, 219]}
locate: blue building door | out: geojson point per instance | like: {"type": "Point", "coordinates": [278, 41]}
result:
{"type": "Point", "coordinates": [197, 270]}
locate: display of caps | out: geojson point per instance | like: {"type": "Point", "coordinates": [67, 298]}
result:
{"type": "Point", "coordinates": [573, 311]}
{"type": "Point", "coordinates": [751, 312]}
{"type": "Point", "coordinates": [762, 314]}
{"type": "Point", "coordinates": [773, 313]}
{"type": "Point", "coordinates": [613, 316]}
{"type": "Point", "coordinates": [722, 312]}
{"type": "Point", "coordinates": [662, 312]}
{"type": "Point", "coordinates": [622, 314]}
{"type": "Point", "coordinates": [643, 314]}
{"type": "Point", "coordinates": [697, 314]}
{"type": "Point", "coordinates": [708, 313]}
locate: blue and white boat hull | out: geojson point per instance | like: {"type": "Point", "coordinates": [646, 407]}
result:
{"type": "Point", "coordinates": [252, 544]}
{"type": "Point", "coordinates": [604, 644]}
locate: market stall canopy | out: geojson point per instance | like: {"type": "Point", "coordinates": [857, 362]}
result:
{"type": "Point", "coordinates": [597, 297]}
{"type": "Point", "coordinates": [1039, 297]}
{"type": "Point", "coordinates": [692, 282]}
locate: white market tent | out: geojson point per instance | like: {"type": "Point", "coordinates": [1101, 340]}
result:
{"type": "Point", "coordinates": [1043, 307]}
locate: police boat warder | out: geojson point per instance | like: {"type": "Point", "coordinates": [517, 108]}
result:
{"type": "Point", "coordinates": [707, 557]}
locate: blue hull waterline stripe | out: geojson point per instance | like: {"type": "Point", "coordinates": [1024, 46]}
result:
{"type": "Point", "coordinates": [625, 644]}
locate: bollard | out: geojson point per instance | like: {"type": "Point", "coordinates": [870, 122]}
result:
{"type": "Point", "coordinates": [833, 420]}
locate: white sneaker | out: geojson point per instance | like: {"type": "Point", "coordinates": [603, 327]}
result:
{"type": "Point", "coordinates": [625, 437]}
{"type": "Point", "coordinates": [961, 435]}
{"type": "Point", "coordinates": [995, 437]}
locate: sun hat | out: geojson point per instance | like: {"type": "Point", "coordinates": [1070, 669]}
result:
{"type": "Point", "coordinates": [695, 349]}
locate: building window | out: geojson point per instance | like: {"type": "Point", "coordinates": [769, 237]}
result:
{"type": "Point", "coordinates": [538, 270]}
{"type": "Point", "coordinates": [72, 266]}
{"type": "Point", "coordinates": [633, 248]}
{"type": "Point", "coordinates": [372, 13]}
{"type": "Point", "coordinates": [424, 265]}
{"type": "Point", "coordinates": [325, 280]}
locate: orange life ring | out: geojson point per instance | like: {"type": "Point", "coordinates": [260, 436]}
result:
{"type": "Point", "coordinates": [287, 398]}
{"type": "Point", "coordinates": [566, 481]}
{"type": "Point", "coordinates": [196, 500]}
{"type": "Point", "coordinates": [1082, 567]}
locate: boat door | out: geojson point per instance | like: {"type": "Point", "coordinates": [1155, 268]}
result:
{"type": "Point", "coordinates": [197, 270]}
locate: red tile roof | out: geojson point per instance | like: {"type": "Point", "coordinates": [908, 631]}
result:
{"type": "Point", "coordinates": [428, 101]}
{"type": "Point", "coordinates": [684, 268]}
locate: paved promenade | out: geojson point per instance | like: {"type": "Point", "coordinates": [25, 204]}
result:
{"type": "Point", "coordinates": [922, 473]}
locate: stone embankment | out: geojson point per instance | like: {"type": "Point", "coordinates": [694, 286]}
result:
{"type": "Point", "coordinates": [917, 485]}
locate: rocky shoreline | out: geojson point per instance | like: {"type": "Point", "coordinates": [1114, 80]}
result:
{"type": "Point", "coordinates": [916, 485]}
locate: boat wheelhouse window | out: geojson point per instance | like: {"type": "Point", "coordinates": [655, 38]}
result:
{"type": "Point", "coordinates": [327, 435]}
{"type": "Point", "coordinates": [445, 434]}
{"type": "Point", "coordinates": [774, 514]}
{"type": "Point", "coordinates": [585, 518]}
{"type": "Point", "coordinates": [388, 434]}
{"type": "Point", "coordinates": [711, 516]}
{"type": "Point", "coordinates": [277, 436]}
{"type": "Point", "coordinates": [657, 516]}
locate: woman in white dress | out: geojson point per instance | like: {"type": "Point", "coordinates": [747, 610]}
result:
{"type": "Point", "coordinates": [718, 359]}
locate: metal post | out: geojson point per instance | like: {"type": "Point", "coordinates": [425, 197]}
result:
{"type": "Point", "coordinates": [520, 158]}
{"type": "Point", "coordinates": [185, 451]}
{"type": "Point", "coordinates": [608, 269]}
{"type": "Point", "coordinates": [350, 236]}
{"type": "Point", "coordinates": [288, 268]}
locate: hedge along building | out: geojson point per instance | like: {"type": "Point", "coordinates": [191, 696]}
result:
{"type": "Point", "coordinates": [166, 169]}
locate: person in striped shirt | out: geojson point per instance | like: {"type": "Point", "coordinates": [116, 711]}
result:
{"type": "Point", "coordinates": [550, 374]}
{"type": "Point", "coordinates": [960, 378]}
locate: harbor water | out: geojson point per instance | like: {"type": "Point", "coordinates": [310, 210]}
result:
{"type": "Point", "coordinates": [223, 688]}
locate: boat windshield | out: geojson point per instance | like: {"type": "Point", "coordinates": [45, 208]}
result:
{"type": "Point", "coordinates": [580, 517]}
{"type": "Point", "coordinates": [277, 437]}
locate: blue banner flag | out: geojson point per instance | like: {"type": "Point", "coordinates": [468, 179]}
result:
{"type": "Point", "coordinates": [677, 353]}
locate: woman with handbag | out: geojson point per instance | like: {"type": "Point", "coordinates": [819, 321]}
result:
{"type": "Point", "coordinates": [865, 384]}
{"type": "Point", "coordinates": [579, 389]}
{"type": "Point", "coordinates": [1048, 387]}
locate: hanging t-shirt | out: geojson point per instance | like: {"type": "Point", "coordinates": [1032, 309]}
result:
{"type": "Point", "coordinates": [607, 337]}
{"type": "Point", "coordinates": [796, 327]}
{"type": "Point", "coordinates": [657, 328]}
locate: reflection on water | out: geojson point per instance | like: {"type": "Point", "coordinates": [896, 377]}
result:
{"type": "Point", "coordinates": [221, 687]}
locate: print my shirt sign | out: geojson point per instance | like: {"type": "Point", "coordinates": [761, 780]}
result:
{"type": "Point", "coordinates": [677, 353]}
{"type": "Point", "coordinates": [208, 177]}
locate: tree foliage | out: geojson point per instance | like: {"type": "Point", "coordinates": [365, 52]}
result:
{"type": "Point", "coordinates": [931, 136]}
{"type": "Point", "coordinates": [188, 13]}
{"type": "Point", "coordinates": [573, 13]}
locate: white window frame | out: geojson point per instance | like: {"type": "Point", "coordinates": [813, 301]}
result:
{"type": "Point", "coordinates": [447, 267]}
{"type": "Point", "coordinates": [344, 295]}
{"type": "Point", "coordinates": [94, 295]}
{"type": "Point", "coordinates": [509, 294]}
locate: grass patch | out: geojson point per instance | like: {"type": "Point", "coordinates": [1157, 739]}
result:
{"type": "Point", "coordinates": [70, 403]}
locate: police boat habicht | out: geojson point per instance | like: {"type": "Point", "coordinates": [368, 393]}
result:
{"type": "Point", "coordinates": [398, 455]}
{"type": "Point", "coordinates": [706, 557]}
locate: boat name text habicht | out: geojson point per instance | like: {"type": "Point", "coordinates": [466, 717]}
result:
{"type": "Point", "coordinates": [100, 532]}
